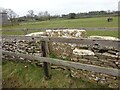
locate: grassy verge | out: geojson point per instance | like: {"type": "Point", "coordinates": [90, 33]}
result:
{"type": "Point", "coordinates": [113, 33]}
{"type": "Point", "coordinates": [16, 75]}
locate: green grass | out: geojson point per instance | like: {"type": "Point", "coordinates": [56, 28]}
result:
{"type": "Point", "coordinates": [113, 33]}
{"type": "Point", "coordinates": [69, 23]}
{"type": "Point", "coordinates": [16, 75]}
{"type": "Point", "coordinates": [18, 32]}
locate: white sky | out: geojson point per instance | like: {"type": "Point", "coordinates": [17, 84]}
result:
{"type": "Point", "coordinates": [57, 7]}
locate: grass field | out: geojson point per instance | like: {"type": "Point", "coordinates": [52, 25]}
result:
{"type": "Point", "coordinates": [113, 33]}
{"type": "Point", "coordinates": [33, 77]}
{"type": "Point", "coordinates": [103, 33]}
{"type": "Point", "coordinates": [69, 23]}
{"type": "Point", "coordinates": [100, 22]}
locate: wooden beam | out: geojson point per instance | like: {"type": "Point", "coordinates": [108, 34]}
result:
{"type": "Point", "coordinates": [46, 65]}
{"type": "Point", "coordinates": [109, 71]}
{"type": "Point", "coordinates": [82, 41]}
{"type": "Point", "coordinates": [89, 42]}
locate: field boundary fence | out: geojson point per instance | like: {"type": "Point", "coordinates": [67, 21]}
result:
{"type": "Point", "coordinates": [70, 64]}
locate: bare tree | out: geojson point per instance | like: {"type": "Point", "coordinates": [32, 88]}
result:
{"type": "Point", "coordinates": [31, 14]}
{"type": "Point", "coordinates": [40, 14]}
{"type": "Point", "coordinates": [44, 15]}
{"type": "Point", "coordinates": [12, 16]}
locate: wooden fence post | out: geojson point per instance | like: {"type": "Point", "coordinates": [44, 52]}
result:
{"type": "Point", "coordinates": [46, 66]}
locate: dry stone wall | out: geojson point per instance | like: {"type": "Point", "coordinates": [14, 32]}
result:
{"type": "Point", "coordinates": [22, 46]}
{"type": "Point", "coordinates": [95, 55]}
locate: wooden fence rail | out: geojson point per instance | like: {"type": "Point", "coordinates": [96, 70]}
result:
{"type": "Point", "coordinates": [110, 71]}
{"type": "Point", "coordinates": [83, 41]}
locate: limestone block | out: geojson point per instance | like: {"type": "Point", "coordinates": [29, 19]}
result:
{"type": "Point", "coordinates": [103, 37]}
{"type": "Point", "coordinates": [68, 33]}
{"type": "Point", "coordinates": [77, 51]}
{"type": "Point", "coordinates": [37, 34]}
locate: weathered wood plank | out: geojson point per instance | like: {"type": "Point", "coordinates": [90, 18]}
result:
{"type": "Point", "coordinates": [46, 65]}
{"type": "Point", "coordinates": [82, 41]}
{"type": "Point", "coordinates": [110, 71]}
{"type": "Point", "coordinates": [86, 41]}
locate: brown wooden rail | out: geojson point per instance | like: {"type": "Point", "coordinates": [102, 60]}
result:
{"type": "Point", "coordinates": [48, 61]}
{"type": "Point", "coordinates": [70, 64]}
{"type": "Point", "coordinates": [84, 41]}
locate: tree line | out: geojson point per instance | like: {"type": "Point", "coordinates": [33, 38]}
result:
{"type": "Point", "coordinates": [43, 16]}
{"type": "Point", "coordinates": [90, 14]}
